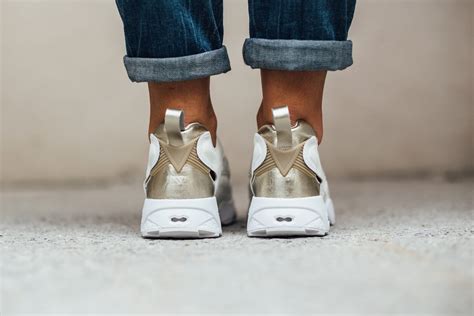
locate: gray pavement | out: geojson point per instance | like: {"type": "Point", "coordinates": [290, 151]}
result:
{"type": "Point", "coordinates": [398, 247]}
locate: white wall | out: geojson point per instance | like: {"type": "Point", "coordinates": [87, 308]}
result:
{"type": "Point", "coordinates": [70, 114]}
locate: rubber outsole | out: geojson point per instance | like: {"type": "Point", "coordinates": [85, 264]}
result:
{"type": "Point", "coordinates": [181, 218]}
{"type": "Point", "coordinates": [180, 234]}
{"type": "Point", "coordinates": [281, 217]}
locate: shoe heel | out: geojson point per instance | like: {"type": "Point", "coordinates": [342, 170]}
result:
{"type": "Point", "coordinates": [272, 217]}
{"type": "Point", "coordinates": [181, 218]}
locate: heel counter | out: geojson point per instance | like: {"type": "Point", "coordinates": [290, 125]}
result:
{"type": "Point", "coordinates": [284, 174]}
{"type": "Point", "coordinates": [179, 174]}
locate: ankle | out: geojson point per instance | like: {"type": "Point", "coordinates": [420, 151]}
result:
{"type": "Point", "coordinates": [204, 115]}
{"type": "Point", "coordinates": [301, 91]}
{"type": "Point", "coordinates": [193, 113]}
{"type": "Point", "coordinates": [311, 115]}
{"type": "Point", "coordinates": [193, 97]}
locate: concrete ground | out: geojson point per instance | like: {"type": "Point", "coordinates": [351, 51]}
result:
{"type": "Point", "coordinates": [398, 247]}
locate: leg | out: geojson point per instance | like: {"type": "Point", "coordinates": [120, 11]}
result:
{"type": "Point", "coordinates": [175, 46]}
{"type": "Point", "coordinates": [193, 97]}
{"type": "Point", "coordinates": [294, 56]}
{"type": "Point", "coordinates": [294, 43]}
{"type": "Point", "coordinates": [301, 91]}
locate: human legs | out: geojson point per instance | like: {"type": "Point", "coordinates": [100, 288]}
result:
{"type": "Point", "coordinates": [295, 43]}
{"type": "Point", "coordinates": [301, 91]}
{"type": "Point", "coordinates": [175, 46]}
{"type": "Point", "coordinates": [192, 97]}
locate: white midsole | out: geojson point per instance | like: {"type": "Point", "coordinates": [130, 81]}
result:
{"type": "Point", "coordinates": [181, 217]}
{"type": "Point", "coordinates": [289, 216]}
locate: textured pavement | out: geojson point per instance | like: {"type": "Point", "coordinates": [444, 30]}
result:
{"type": "Point", "coordinates": [398, 247]}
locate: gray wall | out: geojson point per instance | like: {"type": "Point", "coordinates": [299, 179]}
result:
{"type": "Point", "coordinates": [70, 114]}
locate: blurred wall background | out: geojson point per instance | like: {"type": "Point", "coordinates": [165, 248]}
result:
{"type": "Point", "coordinates": [70, 115]}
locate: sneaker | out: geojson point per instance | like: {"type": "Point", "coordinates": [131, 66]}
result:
{"type": "Point", "coordinates": [187, 184]}
{"type": "Point", "coordinates": [290, 195]}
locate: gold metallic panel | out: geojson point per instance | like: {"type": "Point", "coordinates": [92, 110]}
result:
{"type": "Point", "coordinates": [179, 173]}
{"type": "Point", "coordinates": [295, 184]}
{"type": "Point", "coordinates": [177, 155]}
{"type": "Point", "coordinates": [284, 173]}
{"type": "Point", "coordinates": [284, 159]}
{"type": "Point", "coordinates": [190, 183]}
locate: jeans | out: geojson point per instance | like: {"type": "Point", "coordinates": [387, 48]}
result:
{"type": "Point", "coordinates": [175, 40]}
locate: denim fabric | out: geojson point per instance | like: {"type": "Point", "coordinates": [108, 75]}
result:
{"type": "Point", "coordinates": [297, 54]}
{"type": "Point", "coordinates": [174, 40]}
{"type": "Point", "coordinates": [177, 68]}
{"type": "Point", "coordinates": [311, 20]}
{"type": "Point", "coordinates": [299, 34]}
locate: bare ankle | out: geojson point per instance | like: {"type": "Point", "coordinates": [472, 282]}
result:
{"type": "Point", "coordinates": [193, 97]}
{"type": "Point", "coordinates": [301, 91]}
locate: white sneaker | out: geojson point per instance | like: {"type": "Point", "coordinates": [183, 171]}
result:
{"type": "Point", "coordinates": [290, 195]}
{"type": "Point", "coordinates": [187, 185]}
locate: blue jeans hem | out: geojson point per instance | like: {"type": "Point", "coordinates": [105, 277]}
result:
{"type": "Point", "coordinates": [297, 54]}
{"type": "Point", "coordinates": [177, 68]}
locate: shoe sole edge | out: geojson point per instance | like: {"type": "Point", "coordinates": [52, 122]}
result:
{"type": "Point", "coordinates": [181, 218]}
{"type": "Point", "coordinates": [286, 217]}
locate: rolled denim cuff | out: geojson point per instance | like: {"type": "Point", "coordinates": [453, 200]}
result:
{"type": "Point", "coordinates": [297, 54]}
{"type": "Point", "coordinates": [177, 68]}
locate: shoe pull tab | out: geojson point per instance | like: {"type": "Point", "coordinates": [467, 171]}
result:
{"type": "Point", "coordinates": [174, 125]}
{"type": "Point", "coordinates": [282, 123]}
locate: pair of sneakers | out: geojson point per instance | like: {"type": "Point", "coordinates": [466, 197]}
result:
{"type": "Point", "coordinates": [188, 191]}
